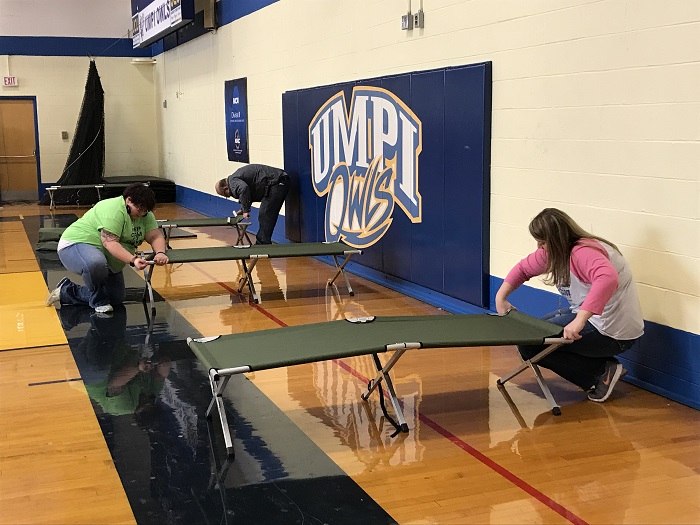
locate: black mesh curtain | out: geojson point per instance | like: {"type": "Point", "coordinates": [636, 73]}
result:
{"type": "Point", "coordinates": [86, 159]}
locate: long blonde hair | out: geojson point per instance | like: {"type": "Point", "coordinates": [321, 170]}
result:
{"type": "Point", "coordinates": [560, 233]}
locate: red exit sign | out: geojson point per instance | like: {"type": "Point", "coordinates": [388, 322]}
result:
{"type": "Point", "coordinates": [10, 81]}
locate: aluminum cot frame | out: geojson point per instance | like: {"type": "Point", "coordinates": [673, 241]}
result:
{"type": "Point", "coordinates": [249, 256]}
{"type": "Point", "coordinates": [54, 234]}
{"type": "Point", "coordinates": [264, 349]}
{"type": "Point", "coordinates": [51, 189]}
{"type": "Point", "coordinates": [236, 220]}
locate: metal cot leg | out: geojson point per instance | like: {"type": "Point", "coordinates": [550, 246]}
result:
{"type": "Point", "coordinates": [341, 270]}
{"type": "Point", "coordinates": [148, 290]}
{"type": "Point", "coordinates": [249, 279]}
{"type": "Point", "coordinates": [218, 385]}
{"type": "Point", "coordinates": [167, 236]}
{"type": "Point", "coordinates": [383, 375]}
{"type": "Point", "coordinates": [242, 231]}
{"type": "Point", "coordinates": [532, 364]}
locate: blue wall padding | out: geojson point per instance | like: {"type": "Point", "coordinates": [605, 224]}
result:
{"type": "Point", "coordinates": [290, 128]}
{"type": "Point", "coordinates": [70, 46]}
{"type": "Point", "coordinates": [448, 251]}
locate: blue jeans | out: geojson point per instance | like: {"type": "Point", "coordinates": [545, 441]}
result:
{"type": "Point", "coordinates": [102, 285]}
{"type": "Point", "coordinates": [583, 361]}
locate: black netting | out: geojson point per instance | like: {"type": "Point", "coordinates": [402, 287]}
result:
{"type": "Point", "coordinates": [86, 160]}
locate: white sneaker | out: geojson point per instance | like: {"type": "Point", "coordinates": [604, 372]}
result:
{"type": "Point", "coordinates": [55, 296]}
{"type": "Point", "coordinates": [104, 309]}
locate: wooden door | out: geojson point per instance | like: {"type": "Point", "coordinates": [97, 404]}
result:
{"type": "Point", "coordinates": [18, 160]}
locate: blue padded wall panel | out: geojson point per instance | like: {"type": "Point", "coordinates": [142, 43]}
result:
{"type": "Point", "coordinates": [395, 246]}
{"type": "Point", "coordinates": [372, 257]}
{"type": "Point", "coordinates": [447, 250]}
{"type": "Point", "coordinates": [467, 131]}
{"type": "Point", "coordinates": [290, 130]}
{"type": "Point", "coordinates": [312, 206]}
{"type": "Point", "coordinates": [427, 237]}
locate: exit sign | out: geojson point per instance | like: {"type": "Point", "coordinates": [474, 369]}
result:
{"type": "Point", "coordinates": [10, 81]}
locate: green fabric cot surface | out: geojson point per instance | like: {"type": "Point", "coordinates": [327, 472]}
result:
{"type": "Point", "coordinates": [229, 253]}
{"type": "Point", "coordinates": [294, 345]}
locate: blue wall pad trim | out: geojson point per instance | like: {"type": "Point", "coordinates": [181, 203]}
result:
{"type": "Point", "coordinates": [665, 360]}
{"type": "Point", "coordinates": [230, 10]}
{"type": "Point", "coordinates": [428, 296]}
{"type": "Point", "coordinates": [70, 46]}
{"type": "Point", "coordinates": [227, 11]}
{"type": "Point", "coordinates": [215, 206]}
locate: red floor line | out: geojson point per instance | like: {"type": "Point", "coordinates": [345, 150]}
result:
{"type": "Point", "coordinates": [242, 295]}
{"type": "Point", "coordinates": [483, 459]}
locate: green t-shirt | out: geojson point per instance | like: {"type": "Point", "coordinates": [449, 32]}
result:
{"type": "Point", "coordinates": [111, 215]}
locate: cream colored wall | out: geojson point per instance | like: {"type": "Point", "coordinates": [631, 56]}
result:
{"type": "Point", "coordinates": [82, 18]}
{"type": "Point", "coordinates": [58, 83]}
{"type": "Point", "coordinates": [596, 110]}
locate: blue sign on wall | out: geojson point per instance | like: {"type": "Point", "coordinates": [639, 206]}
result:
{"type": "Point", "coordinates": [399, 165]}
{"type": "Point", "coordinates": [236, 107]}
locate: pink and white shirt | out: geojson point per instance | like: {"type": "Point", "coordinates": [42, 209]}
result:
{"type": "Point", "coordinates": [601, 283]}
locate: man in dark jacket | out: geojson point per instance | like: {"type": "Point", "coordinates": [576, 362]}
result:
{"type": "Point", "coordinates": [257, 183]}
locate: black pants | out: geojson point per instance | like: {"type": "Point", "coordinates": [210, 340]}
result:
{"type": "Point", "coordinates": [270, 208]}
{"type": "Point", "coordinates": [583, 361]}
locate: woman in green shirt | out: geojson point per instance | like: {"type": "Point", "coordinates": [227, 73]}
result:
{"type": "Point", "coordinates": [99, 244]}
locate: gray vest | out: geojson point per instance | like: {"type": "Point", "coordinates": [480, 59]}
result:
{"type": "Point", "coordinates": [622, 315]}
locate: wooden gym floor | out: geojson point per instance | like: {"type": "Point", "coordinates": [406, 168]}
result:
{"type": "Point", "coordinates": [101, 419]}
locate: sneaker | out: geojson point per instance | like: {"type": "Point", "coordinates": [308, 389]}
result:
{"type": "Point", "coordinates": [103, 315]}
{"type": "Point", "coordinates": [55, 296]}
{"type": "Point", "coordinates": [606, 382]}
{"type": "Point", "coordinates": [104, 309]}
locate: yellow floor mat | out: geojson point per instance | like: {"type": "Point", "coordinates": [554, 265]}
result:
{"type": "Point", "coordinates": [24, 319]}
{"type": "Point", "coordinates": [16, 254]}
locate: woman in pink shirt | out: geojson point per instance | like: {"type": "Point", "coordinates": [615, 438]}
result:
{"type": "Point", "coordinates": [604, 317]}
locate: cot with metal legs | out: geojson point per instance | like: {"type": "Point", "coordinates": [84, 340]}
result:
{"type": "Point", "coordinates": [228, 355]}
{"type": "Point", "coordinates": [97, 187]}
{"type": "Point", "coordinates": [49, 237]}
{"type": "Point", "coordinates": [249, 256]}
{"type": "Point", "coordinates": [236, 221]}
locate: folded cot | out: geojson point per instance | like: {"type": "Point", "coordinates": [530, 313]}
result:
{"type": "Point", "coordinates": [228, 355]}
